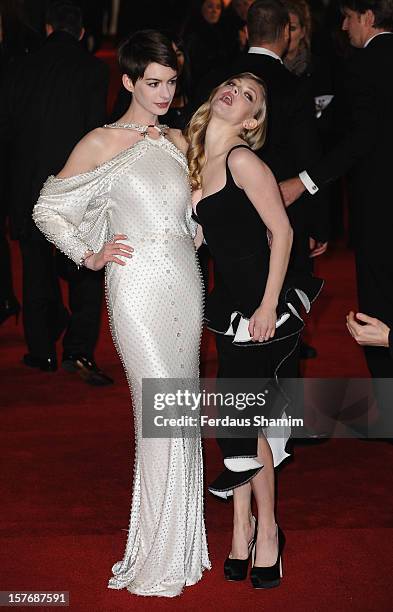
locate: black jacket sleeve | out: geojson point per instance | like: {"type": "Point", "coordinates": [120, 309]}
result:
{"type": "Point", "coordinates": [307, 147]}
{"type": "Point", "coordinates": [360, 134]}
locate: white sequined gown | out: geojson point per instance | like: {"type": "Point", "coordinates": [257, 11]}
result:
{"type": "Point", "coordinates": [155, 308]}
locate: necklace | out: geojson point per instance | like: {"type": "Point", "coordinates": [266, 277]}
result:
{"type": "Point", "coordinates": [143, 129]}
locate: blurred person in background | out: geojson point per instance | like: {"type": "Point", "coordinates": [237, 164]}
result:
{"type": "Point", "coordinates": [363, 150]}
{"type": "Point", "coordinates": [204, 38]}
{"type": "Point", "coordinates": [17, 39]}
{"type": "Point", "coordinates": [300, 60]}
{"type": "Point", "coordinates": [234, 21]}
{"type": "Point", "coordinates": [49, 100]}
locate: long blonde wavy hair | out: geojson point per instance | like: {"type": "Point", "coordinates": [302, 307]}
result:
{"type": "Point", "coordinates": [196, 129]}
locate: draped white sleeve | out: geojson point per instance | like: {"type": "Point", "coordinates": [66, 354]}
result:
{"type": "Point", "coordinates": [72, 213]}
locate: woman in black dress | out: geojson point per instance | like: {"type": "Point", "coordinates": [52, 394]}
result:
{"type": "Point", "coordinates": [254, 305]}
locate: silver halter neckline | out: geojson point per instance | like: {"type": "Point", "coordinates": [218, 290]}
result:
{"type": "Point", "coordinates": [143, 129]}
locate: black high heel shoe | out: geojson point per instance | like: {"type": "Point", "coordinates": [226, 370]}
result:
{"type": "Point", "coordinates": [269, 577]}
{"type": "Point", "coordinates": [236, 569]}
{"type": "Point", "coordinates": [8, 308]}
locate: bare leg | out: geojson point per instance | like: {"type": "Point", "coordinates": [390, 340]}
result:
{"type": "Point", "coordinates": [263, 489]}
{"type": "Point", "coordinates": [243, 527]}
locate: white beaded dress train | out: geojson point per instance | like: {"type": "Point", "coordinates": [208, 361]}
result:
{"type": "Point", "coordinates": [155, 308]}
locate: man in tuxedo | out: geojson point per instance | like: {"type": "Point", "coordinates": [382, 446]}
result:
{"type": "Point", "coordinates": [365, 149]}
{"type": "Point", "coordinates": [49, 101]}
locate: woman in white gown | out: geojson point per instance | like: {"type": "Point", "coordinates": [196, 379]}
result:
{"type": "Point", "coordinates": [128, 182]}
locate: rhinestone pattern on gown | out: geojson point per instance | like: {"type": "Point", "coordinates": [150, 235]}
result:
{"type": "Point", "coordinates": [155, 308]}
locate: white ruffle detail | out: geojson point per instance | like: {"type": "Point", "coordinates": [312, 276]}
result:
{"type": "Point", "coordinates": [230, 331]}
{"type": "Point", "coordinates": [222, 494]}
{"type": "Point", "coordinates": [304, 300]}
{"type": "Point", "coordinates": [277, 446]}
{"type": "Point", "coordinates": [241, 464]}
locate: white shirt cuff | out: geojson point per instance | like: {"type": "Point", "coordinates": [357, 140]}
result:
{"type": "Point", "coordinates": [308, 182]}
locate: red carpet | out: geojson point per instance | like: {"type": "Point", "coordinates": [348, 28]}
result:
{"type": "Point", "coordinates": [67, 461]}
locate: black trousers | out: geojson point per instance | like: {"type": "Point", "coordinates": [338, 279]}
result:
{"type": "Point", "coordinates": [44, 314]}
{"type": "Point", "coordinates": [375, 295]}
{"type": "Point", "coordinates": [259, 363]}
{"type": "Point", "coordinates": [6, 284]}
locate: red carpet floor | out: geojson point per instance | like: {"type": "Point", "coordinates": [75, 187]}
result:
{"type": "Point", "coordinates": [67, 456]}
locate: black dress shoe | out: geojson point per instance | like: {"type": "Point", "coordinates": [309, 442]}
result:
{"type": "Point", "coordinates": [87, 370]}
{"type": "Point", "coordinates": [48, 364]}
{"type": "Point", "coordinates": [307, 351]}
{"type": "Point", "coordinates": [8, 308]}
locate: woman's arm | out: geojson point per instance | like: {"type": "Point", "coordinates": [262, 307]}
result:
{"type": "Point", "coordinates": [63, 215]}
{"type": "Point", "coordinates": [258, 182]}
{"type": "Point", "coordinates": [198, 240]}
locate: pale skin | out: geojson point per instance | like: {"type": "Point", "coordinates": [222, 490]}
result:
{"type": "Point", "coordinates": [367, 331]}
{"type": "Point", "coordinates": [255, 178]}
{"type": "Point", "coordinates": [297, 35]}
{"type": "Point", "coordinates": [152, 96]}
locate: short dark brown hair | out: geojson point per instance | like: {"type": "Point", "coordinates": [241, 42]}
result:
{"type": "Point", "coordinates": [266, 20]}
{"type": "Point", "coordinates": [65, 16]}
{"type": "Point", "coordinates": [143, 48]}
{"type": "Point", "coordinates": [382, 9]}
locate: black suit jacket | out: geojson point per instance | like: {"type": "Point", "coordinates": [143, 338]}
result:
{"type": "Point", "coordinates": [365, 148]}
{"type": "Point", "coordinates": [292, 139]}
{"type": "Point", "coordinates": [52, 98]}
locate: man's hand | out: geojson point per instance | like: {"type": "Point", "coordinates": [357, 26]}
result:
{"type": "Point", "coordinates": [317, 248]}
{"type": "Point", "coordinates": [291, 190]}
{"type": "Point", "coordinates": [373, 333]}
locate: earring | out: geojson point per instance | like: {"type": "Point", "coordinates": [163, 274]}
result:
{"type": "Point", "coordinates": [247, 125]}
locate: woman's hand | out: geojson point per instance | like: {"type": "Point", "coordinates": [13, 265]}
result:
{"type": "Point", "coordinates": [109, 252]}
{"type": "Point", "coordinates": [262, 325]}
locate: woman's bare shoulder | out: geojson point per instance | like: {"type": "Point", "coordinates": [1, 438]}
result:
{"type": "Point", "coordinates": [86, 155]}
{"type": "Point", "coordinates": [242, 158]}
{"type": "Point", "coordinates": [246, 166]}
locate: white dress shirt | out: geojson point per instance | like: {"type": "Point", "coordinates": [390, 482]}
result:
{"type": "Point", "coordinates": [264, 51]}
{"type": "Point", "coordinates": [375, 35]}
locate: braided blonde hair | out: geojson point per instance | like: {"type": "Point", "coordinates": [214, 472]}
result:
{"type": "Point", "coordinates": [196, 130]}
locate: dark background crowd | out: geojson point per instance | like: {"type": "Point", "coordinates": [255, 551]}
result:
{"type": "Point", "coordinates": [46, 50]}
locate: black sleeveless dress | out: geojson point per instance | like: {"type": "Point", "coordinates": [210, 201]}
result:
{"type": "Point", "coordinates": [238, 242]}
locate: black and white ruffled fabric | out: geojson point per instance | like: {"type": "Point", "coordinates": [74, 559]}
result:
{"type": "Point", "coordinates": [240, 463]}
